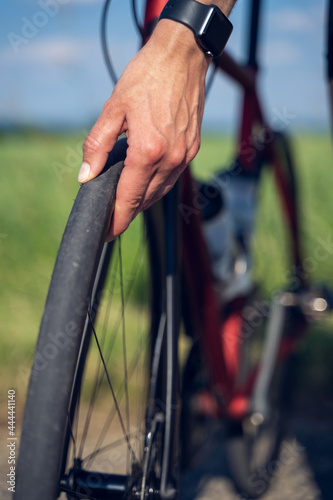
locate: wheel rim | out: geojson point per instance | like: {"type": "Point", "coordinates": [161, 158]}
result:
{"type": "Point", "coordinates": [120, 344]}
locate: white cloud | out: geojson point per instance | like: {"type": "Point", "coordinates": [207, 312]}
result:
{"type": "Point", "coordinates": [297, 20]}
{"type": "Point", "coordinates": [280, 53]}
{"type": "Point", "coordinates": [56, 51]}
{"type": "Point", "coordinates": [293, 20]}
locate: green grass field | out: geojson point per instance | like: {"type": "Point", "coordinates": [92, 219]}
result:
{"type": "Point", "coordinates": [39, 184]}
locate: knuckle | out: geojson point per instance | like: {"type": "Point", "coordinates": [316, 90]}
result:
{"type": "Point", "coordinates": [155, 151]}
{"type": "Point", "coordinates": [177, 157]}
{"type": "Point", "coordinates": [134, 203]}
{"type": "Point", "coordinates": [91, 145]}
{"type": "Point", "coordinates": [131, 200]}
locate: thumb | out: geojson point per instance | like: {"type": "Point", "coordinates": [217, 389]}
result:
{"type": "Point", "coordinates": [98, 145]}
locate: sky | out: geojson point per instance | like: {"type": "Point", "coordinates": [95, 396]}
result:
{"type": "Point", "coordinates": [52, 72]}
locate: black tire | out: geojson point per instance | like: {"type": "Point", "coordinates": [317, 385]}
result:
{"type": "Point", "coordinates": [283, 146]}
{"type": "Point", "coordinates": [50, 452]}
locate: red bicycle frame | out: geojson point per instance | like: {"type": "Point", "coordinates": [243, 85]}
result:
{"type": "Point", "coordinates": [221, 335]}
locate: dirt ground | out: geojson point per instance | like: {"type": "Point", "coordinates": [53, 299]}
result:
{"type": "Point", "coordinates": [309, 476]}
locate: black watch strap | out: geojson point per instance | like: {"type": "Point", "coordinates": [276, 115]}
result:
{"type": "Point", "coordinates": [210, 26]}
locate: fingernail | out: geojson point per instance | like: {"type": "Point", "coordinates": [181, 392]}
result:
{"type": "Point", "coordinates": [84, 172]}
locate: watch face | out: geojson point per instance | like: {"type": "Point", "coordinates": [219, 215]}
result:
{"type": "Point", "coordinates": [209, 25]}
{"type": "Point", "coordinates": [213, 38]}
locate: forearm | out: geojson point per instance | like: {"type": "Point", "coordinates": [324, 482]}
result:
{"type": "Point", "coordinates": [158, 102]}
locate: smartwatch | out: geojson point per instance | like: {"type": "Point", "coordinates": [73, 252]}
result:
{"type": "Point", "coordinates": [210, 26]}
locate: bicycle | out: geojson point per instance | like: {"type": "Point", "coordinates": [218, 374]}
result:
{"type": "Point", "coordinates": [144, 456]}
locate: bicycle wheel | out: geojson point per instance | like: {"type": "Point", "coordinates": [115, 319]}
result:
{"type": "Point", "coordinates": [253, 443]}
{"type": "Point", "coordinates": [94, 417]}
{"type": "Point", "coordinates": [270, 323]}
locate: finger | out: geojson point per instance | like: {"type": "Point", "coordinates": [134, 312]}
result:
{"type": "Point", "coordinates": [165, 179]}
{"type": "Point", "coordinates": [157, 189]}
{"type": "Point", "coordinates": [144, 156]}
{"type": "Point", "coordinates": [131, 189]}
{"type": "Point", "coordinates": [98, 145]}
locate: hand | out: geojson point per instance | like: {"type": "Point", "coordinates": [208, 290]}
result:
{"type": "Point", "coordinates": [158, 102]}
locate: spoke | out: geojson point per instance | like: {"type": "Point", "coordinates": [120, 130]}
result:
{"type": "Point", "coordinates": [92, 402]}
{"type": "Point", "coordinates": [110, 293]}
{"type": "Point", "coordinates": [96, 384]}
{"type": "Point", "coordinates": [72, 434]}
{"type": "Point", "coordinates": [93, 308]}
{"type": "Point", "coordinates": [119, 396]}
{"type": "Point", "coordinates": [115, 331]}
{"type": "Point", "coordinates": [128, 367]}
{"type": "Point", "coordinates": [139, 377]}
{"type": "Point", "coordinates": [89, 458]}
{"type": "Point", "coordinates": [142, 363]}
{"type": "Point", "coordinates": [155, 365]}
{"type": "Point", "coordinates": [98, 375]}
{"type": "Point", "coordinates": [126, 436]}
{"type": "Point", "coordinates": [137, 264]}
{"type": "Point", "coordinates": [103, 433]}
{"type": "Point", "coordinates": [124, 338]}
{"type": "Point", "coordinates": [75, 429]}
{"type": "Point", "coordinates": [134, 270]}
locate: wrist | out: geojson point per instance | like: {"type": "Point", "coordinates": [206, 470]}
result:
{"type": "Point", "coordinates": [180, 40]}
{"type": "Point", "coordinates": [209, 25]}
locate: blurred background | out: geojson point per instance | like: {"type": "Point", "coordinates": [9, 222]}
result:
{"type": "Point", "coordinates": [53, 75]}
{"type": "Point", "coordinates": [53, 85]}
